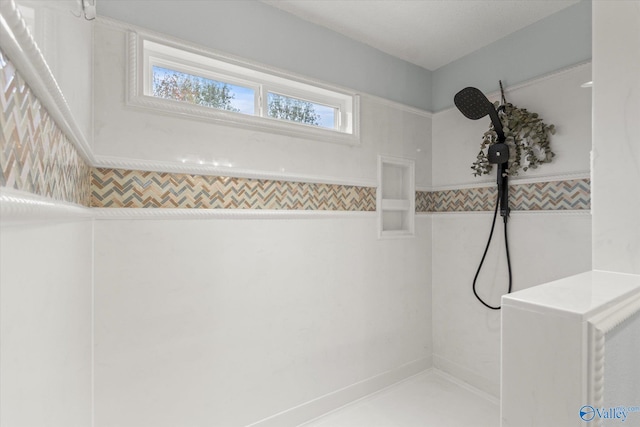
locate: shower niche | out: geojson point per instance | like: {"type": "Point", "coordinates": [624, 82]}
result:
{"type": "Point", "coordinates": [395, 198]}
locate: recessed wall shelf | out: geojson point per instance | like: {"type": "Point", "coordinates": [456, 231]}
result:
{"type": "Point", "coordinates": [395, 197]}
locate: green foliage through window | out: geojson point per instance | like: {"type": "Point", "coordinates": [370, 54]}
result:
{"type": "Point", "coordinates": [179, 86]}
{"type": "Point", "coordinates": [170, 84]}
{"type": "Point", "coordinates": [295, 110]}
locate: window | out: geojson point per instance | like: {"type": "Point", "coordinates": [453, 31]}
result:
{"type": "Point", "coordinates": [186, 80]}
{"type": "Point", "coordinates": [298, 110]}
{"type": "Point", "coordinates": [169, 83]}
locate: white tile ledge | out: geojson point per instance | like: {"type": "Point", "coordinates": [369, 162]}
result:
{"type": "Point", "coordinates": [19, 206]}
{"type": "Point", "coordinates": [599, 300]}
{"type": "Point", "coordinates": [584, 295]}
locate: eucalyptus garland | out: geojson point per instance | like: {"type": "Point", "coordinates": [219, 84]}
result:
{"type": "Point", "coordinates": [527, 137]}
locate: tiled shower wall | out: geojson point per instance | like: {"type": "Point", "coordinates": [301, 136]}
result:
{"type": "Point", "coordinates": [385, 287]}
{"type": "Point", "coordinates": [551, 241]}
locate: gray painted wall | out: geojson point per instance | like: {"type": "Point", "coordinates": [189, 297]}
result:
{"type": "Point", "coordinates": [555, 42]}
{"type": "Point", "coordinates": [253, 30]}
{"type": "Point", "coordinates": [262, 33]}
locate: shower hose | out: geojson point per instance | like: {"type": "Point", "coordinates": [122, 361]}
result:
{"type": "Point", "coordinates": [506, 246]}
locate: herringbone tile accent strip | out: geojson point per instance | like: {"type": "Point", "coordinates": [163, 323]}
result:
{"type": "Point", "coordinates": [553, 195]}
{"type": "Point", "coordinates": [119, 188]}
{"type": "Point", "coordinates": [35, 156]}
{"type": "Point", "coordinates": [471, 199]}
{"type": "Point", "coordinates": [424, 201]}
{"type": "Point", "coordinates": [556, 195]}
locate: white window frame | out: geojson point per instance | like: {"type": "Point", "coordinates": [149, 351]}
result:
{"type": "Point", "coordinates": [146, 51]}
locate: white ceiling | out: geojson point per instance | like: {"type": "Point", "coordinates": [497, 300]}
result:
{"type": "Point", "coordinates": [429, 33]}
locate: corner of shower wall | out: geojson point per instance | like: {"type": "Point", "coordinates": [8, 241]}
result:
{"type": "Point", "coordinates": [46, 242]}
{"type": "Point", "coordinates": [549, 228]}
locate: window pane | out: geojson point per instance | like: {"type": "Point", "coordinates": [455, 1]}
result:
{"type": "Point", "coordinates": [301, 111]}
{"type": "Point", "coordinates": [171, 84]}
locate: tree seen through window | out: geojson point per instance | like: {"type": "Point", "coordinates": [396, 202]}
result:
{"type": "Point", "coordinates": [171, 84]}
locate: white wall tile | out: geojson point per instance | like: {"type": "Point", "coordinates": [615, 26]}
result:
{"type": "Point", "coordinates": [616, 137]}
{"type": "Point", "coordinates": [541, 387]}
{"type": "Point", "coordinates": [45, 324]}
{"type": "Point", "coordinates": [225, 322]}
{"type": "Point", "coordinates": [543, 247]}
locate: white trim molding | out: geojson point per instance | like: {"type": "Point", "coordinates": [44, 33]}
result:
{"type": "Point", "coordinates": [513, 213]}
{"type": "Point", "coordinates": [20, 206]}
{"type": "Point", "coordinates": [312, 409]}
{"type": "Point", "coordinates": [599, 326]}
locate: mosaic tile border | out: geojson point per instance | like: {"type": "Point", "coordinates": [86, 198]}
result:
{"type": "Point", "coordinates": [574, 194]}
{"type": "Point", "coordinates": [35, 155]}
{"type": "Point", "coordinates": [120, 188]}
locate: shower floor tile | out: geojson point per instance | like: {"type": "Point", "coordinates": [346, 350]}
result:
{"type": "Point", "coordinates": [430, 399]}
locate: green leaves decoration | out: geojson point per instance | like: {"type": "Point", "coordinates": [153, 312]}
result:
{"type": "Point", "coordinates": [527, 137]}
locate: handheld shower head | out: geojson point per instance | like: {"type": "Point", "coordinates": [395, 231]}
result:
{"type": "Point", "coordinates": [474, 105]}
